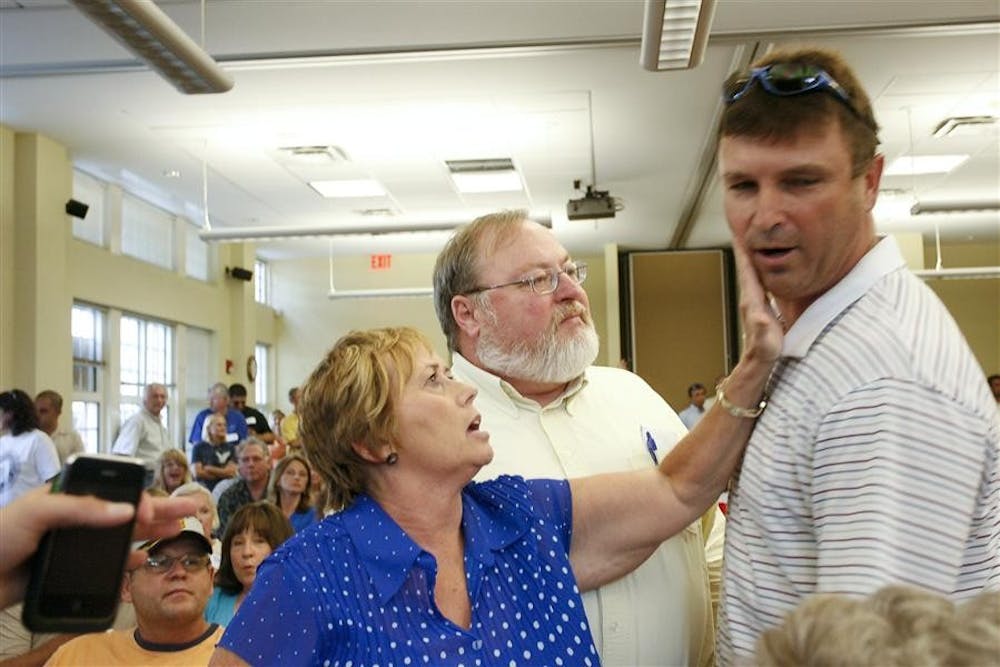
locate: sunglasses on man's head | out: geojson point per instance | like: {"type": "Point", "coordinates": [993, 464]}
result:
{"type": "Point", "coordinates": [788, 79]}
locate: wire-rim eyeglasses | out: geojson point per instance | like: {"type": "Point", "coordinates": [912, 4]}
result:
{"type": "Point", "coordinates": [543, 282]}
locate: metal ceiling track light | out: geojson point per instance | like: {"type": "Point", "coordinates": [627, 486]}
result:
{"type": "Point", "coordinates": [142, 28]}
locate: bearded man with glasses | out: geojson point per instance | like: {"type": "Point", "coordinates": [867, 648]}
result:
{"type": "Point", "coordinates": [876, 459]}
{"type": "Point", "coordinates": [169, 592]}
{"type": "Point", "coordinates": [511, 302]}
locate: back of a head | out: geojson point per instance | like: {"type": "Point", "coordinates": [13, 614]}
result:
{"type": "Point", "coordinates": [457, 267]}
{"type": "Point", "coordinates": [774, 118]}
{"type": "Point", "coordinates": [899, 626]}
{"type": "Point", "coordinates": [21, 409]}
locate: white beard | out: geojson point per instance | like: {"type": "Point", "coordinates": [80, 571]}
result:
{"type": "Point", "coordinates": [545, 359]}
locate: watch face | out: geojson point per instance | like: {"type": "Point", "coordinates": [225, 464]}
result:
{"type": "Point", "coordinates": [252, 368]}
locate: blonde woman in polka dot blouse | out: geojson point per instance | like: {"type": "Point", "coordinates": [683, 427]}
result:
{"type": "Point", "coordinates": [423, 566]}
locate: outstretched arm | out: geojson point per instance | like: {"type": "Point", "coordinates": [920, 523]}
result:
{"type": "Point", "coordinates": [620, 519]}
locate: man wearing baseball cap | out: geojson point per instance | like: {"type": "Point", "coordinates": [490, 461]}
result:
{"type": "Point", "coordinates": [169, 592]}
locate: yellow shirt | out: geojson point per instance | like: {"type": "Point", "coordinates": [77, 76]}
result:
{"type": "Point", "coordinates": [290, 429]}
{"type": "Point", "coordinates": [119, 647]}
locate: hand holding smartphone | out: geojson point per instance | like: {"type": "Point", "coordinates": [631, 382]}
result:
{"type": "Point", "coordinates": [76, 573]}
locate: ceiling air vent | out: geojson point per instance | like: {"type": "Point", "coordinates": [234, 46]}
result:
{"type": "Point", "coordinates": [315, 154]}
{"type": "Point", "coordinates": [475, 166]}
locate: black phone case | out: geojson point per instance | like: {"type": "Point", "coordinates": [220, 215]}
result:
{"type": "Point", "coordinates": [110, 477]}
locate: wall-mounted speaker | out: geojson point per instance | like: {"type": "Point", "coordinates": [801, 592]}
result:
{"type": "Point", "coordinates": [77, 209]}
{"type": "Point", "coordinates": [239, 273]}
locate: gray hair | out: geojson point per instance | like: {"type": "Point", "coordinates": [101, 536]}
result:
{"type": "Point", "coordinates": [456, 270]}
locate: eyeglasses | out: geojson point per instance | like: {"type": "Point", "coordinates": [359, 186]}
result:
{"type": "Point", "coordinates": [163, 564]}
{"type": "Point", "coordinates": [788, 79]}
{"type": "Point", "coordinates": [544, 282]}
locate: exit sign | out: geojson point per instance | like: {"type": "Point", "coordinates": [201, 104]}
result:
{"type": "Point", "coordinates": [380, 262]}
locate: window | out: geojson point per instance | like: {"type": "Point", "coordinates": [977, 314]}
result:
{"type": "Point", "coordinates": [198, 375]}
{"type": "Point", "coordinates": [262, 282]}
{"type": "Point", "coordinates": [147, 232]}
{"type": "Point", "coordinates": [87, 325]}
{"type": "Point", "coordinates": [90, 191]}
{"type": "Point", "coordinates": [196, 257]}
{"type": "Point", "coordinates": [147, 356]}
{"type": "Point", "coordinates": [262, 383]}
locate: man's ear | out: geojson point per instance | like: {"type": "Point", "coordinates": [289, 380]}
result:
{"type": "Point", "coordinates": [873, 176]}
{"type": "Point", "coordinates": [464, 311]}
{"type": "Point", "coordinates": [126, 591]}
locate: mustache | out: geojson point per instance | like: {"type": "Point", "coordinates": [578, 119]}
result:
{"type": "Point", "coordinates": [571, 309]}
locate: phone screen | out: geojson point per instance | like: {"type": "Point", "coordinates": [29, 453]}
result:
{"type": "Point", "coordinates": [77, 574]}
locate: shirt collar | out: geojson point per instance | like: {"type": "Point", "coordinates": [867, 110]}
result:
{"type": "Point", "coordinates": [881, 260]}
{"type": "Point", "coordinates": [503, 393]}
{"type": "Point", "coordinates": [388, 554]}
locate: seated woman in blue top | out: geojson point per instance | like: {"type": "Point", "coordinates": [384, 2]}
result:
{"type": "Point", "coordinates": [252, 534]}
{"type": "Point", "coordinates": [291, 486]}
{"type": "Point", "coordinates": [423, 566]}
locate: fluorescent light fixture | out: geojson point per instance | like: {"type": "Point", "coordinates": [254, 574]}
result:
{"type": "Point", "coordinates": [488, 181]}
{"type": "Point", "coordinates": [143, 29]}
{"type": "Point", "coordinates": [966, 273]}
{"type": "Point", "coordinates": [923, 208]}
{"type": "Point", "coordinates": [913, 165]}
{"type": "Point", "coordinates": [966, 126]}
{"type": "Point", "coordinates": [675, 33]}
{"type": "Point", "coordinates": [398, 226]}
{"type": "Point", "coordinates": [362, 187]}
{"type": "Point", "coordinates": [383, 293]}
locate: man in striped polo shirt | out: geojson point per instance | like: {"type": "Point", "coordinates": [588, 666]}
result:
{"type": "Point", "coordinates": [875, 460]}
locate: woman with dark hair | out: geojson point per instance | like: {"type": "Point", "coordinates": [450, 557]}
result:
{"type": "Point", "coordinates": [251, 535]}
{"type": "Point", "coordinates": [28, 457]}
{"type": "Point", "coordinates": [291, 486]}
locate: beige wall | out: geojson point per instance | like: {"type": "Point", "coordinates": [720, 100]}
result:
{"type": "Point", "coordinates": [974, 303]}
{"type": "Point", "coordinates": [311, 323]}
{"type": "Point", "coordinates": [44, 269]}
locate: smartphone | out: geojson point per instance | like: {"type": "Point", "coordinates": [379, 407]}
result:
{"type": "Point", "coordinates": [76, 573]}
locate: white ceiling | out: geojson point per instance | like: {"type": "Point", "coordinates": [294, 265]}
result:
{"type": "Point", "coordinates": [403, 86]}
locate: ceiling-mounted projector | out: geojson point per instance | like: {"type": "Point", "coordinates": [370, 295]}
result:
{"type": "Point", "coordinates": [593, 204]}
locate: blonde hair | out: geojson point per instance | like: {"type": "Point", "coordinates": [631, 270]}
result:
{"type": "Point", "coordinates": [190, 489]}
{"type": "Point", "coordinates": [178, 457]}
{"type": "Point", "coordinates": [350, 399]}
{"type": "Point", "coordinates": [898, 626]}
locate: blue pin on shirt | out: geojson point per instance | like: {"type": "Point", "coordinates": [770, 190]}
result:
{"type": "Point", "coordinates": [651, 446]}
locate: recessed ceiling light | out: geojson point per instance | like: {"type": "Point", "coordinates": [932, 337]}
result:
{"type": "Point", "coordinates": [488, 181]}
{"type": "Point", "coordinates": [908, 165]}
{"type": "Point", "coordinates": [362, 187]}
{"type": "Point", "coordinates": [485, 175]}
{"type": "Point", "coordinates": [172, 173]}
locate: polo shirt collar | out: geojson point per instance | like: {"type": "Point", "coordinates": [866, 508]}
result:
{"type": "Point", "coordinates": [388, 554]}
{"type": "Point", "coordinates": [503, 393]}
{"type": "Point", "coordinates": [881, 260]}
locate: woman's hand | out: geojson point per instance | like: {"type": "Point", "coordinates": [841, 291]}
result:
{"type": "Point", "coordinates": [762, 332]}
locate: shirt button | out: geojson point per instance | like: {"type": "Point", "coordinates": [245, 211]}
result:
{"type": "Point", "coordinates": [477, 645]}
{"type": "Point", "coordinates": [614, 626]}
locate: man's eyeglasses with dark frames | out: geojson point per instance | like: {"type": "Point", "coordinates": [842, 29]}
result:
{"type": "Point", "coordinates": [163, 564]}
{"type": "Point", "coordinates": [788, 79]}
{"type": "Point", "coordinates": [544, 282]}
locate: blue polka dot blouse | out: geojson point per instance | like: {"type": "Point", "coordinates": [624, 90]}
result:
{"type": "Point", "coordinates": [355, 590]}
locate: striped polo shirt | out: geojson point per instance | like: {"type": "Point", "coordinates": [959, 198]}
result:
{"type": "Point", "coordinates": [875, 462]}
